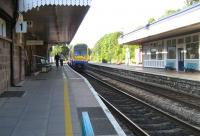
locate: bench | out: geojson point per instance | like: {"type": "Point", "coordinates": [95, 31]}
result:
{"type": "Point", "coordinates": [45, 66]}
{"type": "Point", "coordinates": [87, 129]}
{"type": "Point", "coordinates": [169, 66]}
{"type": "Point", "coordinates": [191, 67]}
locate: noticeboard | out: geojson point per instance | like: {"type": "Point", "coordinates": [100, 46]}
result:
{"type": "Point", "coordinates": [34, 42]}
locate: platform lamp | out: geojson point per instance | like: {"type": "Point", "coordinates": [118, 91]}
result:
{"type": "Point", "coordinates": [110, 50]}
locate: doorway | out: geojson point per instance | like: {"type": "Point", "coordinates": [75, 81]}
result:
{"type": "Point", "coordinates": [180, 59]}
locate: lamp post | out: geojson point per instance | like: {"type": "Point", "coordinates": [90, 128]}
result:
{"type": "Point", "coordinates": [110, 50]}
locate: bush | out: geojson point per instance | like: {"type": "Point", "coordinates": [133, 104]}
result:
{"type": "Point", "coordinates": [104, 61]}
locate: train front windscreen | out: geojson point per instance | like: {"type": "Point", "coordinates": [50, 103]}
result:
{"type": "Point", "coordinates": [80, 51]}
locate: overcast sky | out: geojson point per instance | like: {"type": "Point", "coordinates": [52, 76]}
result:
{"type": "Point", "coordinates": [105, 16]}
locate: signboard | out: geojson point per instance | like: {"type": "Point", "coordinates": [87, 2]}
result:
{"type": "Point", "coordinates": [29, 24]}
{"type": "Point", "coordinates": [34, 42]}
{"type": "Point", "coordinates": [21, 27]}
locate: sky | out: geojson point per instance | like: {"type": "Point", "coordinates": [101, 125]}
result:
{"type": "Point", "coordinates": [106, 16]}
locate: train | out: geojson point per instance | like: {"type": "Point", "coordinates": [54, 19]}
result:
{"type": "Point", "coordinates": [79, 56]}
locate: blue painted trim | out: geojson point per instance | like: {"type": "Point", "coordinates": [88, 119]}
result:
{"type": "Point", "coordinates": [87, 129]}
{"type": "Point", "coordinates": [186, 10]}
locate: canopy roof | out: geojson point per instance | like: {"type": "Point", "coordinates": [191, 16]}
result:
{"type": "Point", "coordinates": [53, 21]}
{"type": "Point", "coordinates": [183, 22]}
{"type": "Point", "coordinates": [25, 5]}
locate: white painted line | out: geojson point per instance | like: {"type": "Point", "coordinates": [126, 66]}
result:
{"type": "Point", "coordinates": [64, 77]}
{"type": "Point", "coordinates": [115, 124]}
{"type": "Point", "coordinates": [75, 78]}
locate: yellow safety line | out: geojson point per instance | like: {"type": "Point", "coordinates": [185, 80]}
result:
{"type": "Point", "coordinates": [68, 123]}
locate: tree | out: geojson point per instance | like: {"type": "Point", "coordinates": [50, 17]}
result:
{"type": "Point", "coordinates": [60, 49]}
{"type": "Point", "coordinates": [151, 20]}
{"type": "Point", "coordinates": [107, 49]}
{"type": "Point", "coordinates": [191, 2]}
{"type": "Point", "coordinates": [169, 12]}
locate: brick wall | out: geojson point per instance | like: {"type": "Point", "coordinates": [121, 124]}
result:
{"type": "Point", "coordinates": [4, 65]}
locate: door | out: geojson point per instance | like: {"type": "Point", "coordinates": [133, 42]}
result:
{"type": "Point", "coordinates": [180, 59]}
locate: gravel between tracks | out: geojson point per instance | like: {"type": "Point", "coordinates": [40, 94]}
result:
{"type": "Point", "coordinates": [186, 113]}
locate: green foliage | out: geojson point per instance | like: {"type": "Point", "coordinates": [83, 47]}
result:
{"type": "Point", "coordinates": [151, 20]}
{"type": "Point", "coordinates": [60, 49]}
{"type": "Point", "coordinates": [169, 12]}
{"type": "Point", "coordinates": [107, 49]}
{"type": "Point", "coordinates": [191, 2]}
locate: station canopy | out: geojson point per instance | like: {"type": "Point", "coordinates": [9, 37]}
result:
{"type": "Point", "coordinates": [53, 21]}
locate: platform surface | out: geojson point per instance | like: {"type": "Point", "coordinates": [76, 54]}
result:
{"type": "Point", "coordinates": [157, 71]}
{"type": "Point", "coordinates": [41, 110]}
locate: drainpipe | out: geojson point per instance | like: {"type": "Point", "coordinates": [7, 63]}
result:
{"type": "Point", "coordinates": [14, 20]}
{"type": "Point", "coordinates": [11, 61]}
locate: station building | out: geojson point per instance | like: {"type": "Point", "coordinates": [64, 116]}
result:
{"type": "Point", "coordinates": [48, 22]}
{"type": "Point", "coordinates": [173, 40]}
{"type": "Point", "coordinates": [11, 46]}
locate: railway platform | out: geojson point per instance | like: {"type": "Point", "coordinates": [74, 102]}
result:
{"type": "Point", "coordinates": [162, 72]}
{"type": "Point", "coordinates": [51, 104]}
{"type": "Point", "coordinates": [187, 82]}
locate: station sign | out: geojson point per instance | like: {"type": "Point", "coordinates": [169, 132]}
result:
{"type": "Point", "coordinates": [21, 27]}
{"type": "Point", "coordinates": [34, 42]}
{"type": "Point", "coordinates": [29, 24]}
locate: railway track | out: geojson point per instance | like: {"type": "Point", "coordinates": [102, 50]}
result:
{"type": "Point", "coordinates": [142, 118]}
{"type": "Point", "coordinates": [186, 99]}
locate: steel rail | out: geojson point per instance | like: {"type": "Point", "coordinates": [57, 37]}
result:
{"type": "Point", "coordinates": [148, 87]}
{"type": "Point", "coordinates": [196, 129]}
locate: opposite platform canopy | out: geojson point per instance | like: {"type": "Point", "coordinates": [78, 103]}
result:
{"type": "Point", "coordinates": [53, 21]}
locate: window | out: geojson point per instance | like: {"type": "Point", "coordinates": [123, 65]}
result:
{"type": "Point", "coordinates": [195, 38]}
{"type": "Point", "coordinates": [171, 52]}
{"type": "Point", "coordinates": [2, 28]}
{"type": "Point", "coordinates": [153, 53]}
{"type": "Point", "coordinates": [159, 54]}
{"type": "Point", "coordinates": [156, 50]}
{"type": "Point", "coordinates": [171, 49]}
{"type": "Point", "coordinates": [169, 42]}
{"type": "Point", "coordinates": [180, 40]}
{"type": "Point", "coordinates": [188, 39]}
{"type": "Point", "coordinates": [173, 41]}
{"type": "Point", "coordinates": [160, 51]}
{"type": "Point", "coordinates": [192, 48]}
{"type": "Point", "coordinates": [146, 57]}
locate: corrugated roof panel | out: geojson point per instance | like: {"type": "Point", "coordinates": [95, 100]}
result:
{"type": "Point", "coordinates": [25, 5]}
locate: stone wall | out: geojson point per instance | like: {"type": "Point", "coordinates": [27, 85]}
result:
{"type": "Point", "coordinates": [17, 64]}
{"type": "Point", "coordinates": [178, 84]}
{"type": "Point", "coordinates": [22, 63]}
{"type": "Point", "coordinates": [4, 64]}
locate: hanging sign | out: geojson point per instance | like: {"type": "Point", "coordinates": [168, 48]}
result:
{"type": "Point", "coordinates": [34, 42]}
{"type": "Point", "coordinates": [21, 27]}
